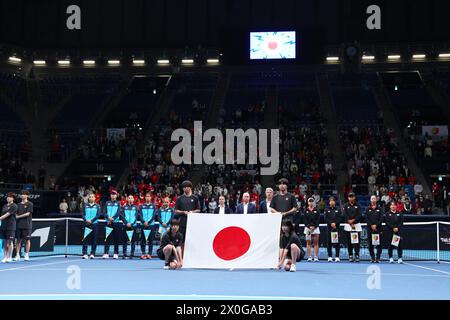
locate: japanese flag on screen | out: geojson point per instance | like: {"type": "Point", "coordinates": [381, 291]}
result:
{"type": "Point", "coordinates": [228, 241]}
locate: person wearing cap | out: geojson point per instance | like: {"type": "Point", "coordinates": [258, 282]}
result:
{"type": "Point", "coordinates": [333, 219]}
{"type": "Point", "coordinates": [284, 202]}
{"type": "Point", "coordinates": [311, 218]}
{"type": "Point", "coordinates": [90, 213]}
{"type": "Point", "coordinates": [246, 207]}
{"type": "Point", "coordinates": [394, 223]}
{"type": "Point", "coordinates": [8, 226]}
{"type": "Point", "coordinates": [264, 206]}
{"type": "Point", "coordinates": [112, 212]}
{"type": "Point", "coordinates": [291, 250]}
{"type": "Point", "coordinates": [352, 218]}
{"type": "Point", "coordinates": [374, 219]}
{"type": "Point", "coordinates": [24, 225]}
{"type": "Point", "coordinates": [186, 204]}
{"type": "Point", "coordinates": [170, 249]}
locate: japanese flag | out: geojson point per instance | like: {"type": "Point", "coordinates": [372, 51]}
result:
{"type": "Point", "coordinates": [228, 241]}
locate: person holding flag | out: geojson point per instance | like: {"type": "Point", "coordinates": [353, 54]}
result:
{"type": "Point", "coordinates": [131, 217]}
{"type": "Point", "coordinates": [148, 212]}
{"type": "Point", "coordinates": [112, 210]}
{"type": "Point", "coordinates": [291, 250]}
{"type": "Point", "coordinates": [164, 216]}
{"type": "Point", "coordinates": [170, 249]}
{"type": "Point", "coordinates": [24, 225]}
{"type": "Point", "coordinates": [374, 219]}
{"type": "Point", "coordinates": [90, 213]}
{"type": "Point", "coordinates": [394, 222]}
{"type": "Point", "coordinates": [333, 219]}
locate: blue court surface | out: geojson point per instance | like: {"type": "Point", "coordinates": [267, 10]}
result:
{"type": "Point", "coordinates": [54, 278]}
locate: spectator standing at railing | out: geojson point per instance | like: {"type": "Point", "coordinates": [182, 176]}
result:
{"type": "Point", "coordinates": [63, 206]}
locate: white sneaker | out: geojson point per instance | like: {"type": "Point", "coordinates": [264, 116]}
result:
{"type": "Point", "coordinates": [337, 260]}
{"type": "Point", "coordinates": [309, 259]}
{"type": "Point", "coordinates": [27, 257]}
{"type": "Point", "coordinates": [391, 260]}
{"type": "Point", "coordinates": [4, 260]}
{"type": "Point", "coordinates": [85, 257]}
{"type": "Point", "coordinates": [166, 267]}
{"type": "Point", "coordinates": [17, 258]}
{"type": "Point", "coordinates": [400, 260]}
{"type": "Point", "coordinates": [293, 268]}
{"type": "Point", "coordinates": [105, 256]}
{"type": "Point", "coordinates": [91, 256]}
{"type": "Point", "coordinates": [330, 259]}
{"type": "Point", "coordinates": [115, 256]}
{"type": "Point", "coordinates": [9, 260]}
{"type": "Point", "coordinates": [316, 259]}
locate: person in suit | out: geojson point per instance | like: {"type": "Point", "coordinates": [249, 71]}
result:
{"type": "Point", "coordinates": [222, 208]}
{"type": "Point", "coordinates": [246, 207]}
{"type": "Point", "coordinates": [264, 206]}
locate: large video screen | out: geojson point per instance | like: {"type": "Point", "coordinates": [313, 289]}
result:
{"type": "Point", "coordinates": [272, 45]}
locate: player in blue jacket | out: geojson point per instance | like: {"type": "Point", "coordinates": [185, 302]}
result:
{"type": "Point", "coordinates": [131, 219]}
{"type": "Point", "coordinates": [90, 212]}
{"type": "Point", "coordinates": [164, 216]}
{"type": "Point", "coordinates": [113, 213]}
{"type": "Point", "coordinates": [148, 213]}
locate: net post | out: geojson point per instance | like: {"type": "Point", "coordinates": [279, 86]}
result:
{"type": "Point", "coordinates": [437, 243]}
{"type": "Point", "coordinates": [67, 235]}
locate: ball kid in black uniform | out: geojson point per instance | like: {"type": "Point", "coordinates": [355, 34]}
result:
{"type": "Point", "coordinates": [333, 218]}
{"type": "Point", "coordinates": [8, 226]}
{"type": "Point", "coordinates": [374, 219]}
{"type": "Point", "coordinates": [394, 222]}
{"type": "Point", "coordinates": [352, 219]}
{"type": "Point", "coordinates": [24, 225]}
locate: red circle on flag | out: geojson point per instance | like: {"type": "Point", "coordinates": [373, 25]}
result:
{"type": "Point", "coordinates": [273, 45]}
{"type": "Point", "coordinates": [230, 243]}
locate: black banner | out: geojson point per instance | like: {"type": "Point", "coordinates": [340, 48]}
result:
{"type": "Point", "coordinates": [42, 236]}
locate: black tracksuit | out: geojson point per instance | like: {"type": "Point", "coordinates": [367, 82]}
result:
{"type": "Point", "coordinates": [333, 215]}
{"type": "Point", "coordinates": [351, 212]}
{"type": "Point", "coordinates": [374, 216]}
{"type": "Point", "coordinates": [394, 220]}
{"type": "Point", "coordinates": [311, 218]}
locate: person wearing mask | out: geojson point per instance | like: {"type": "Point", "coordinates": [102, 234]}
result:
{"type": "Point", "coordinates": [284, 202]}
{"type": "Point", "coordinates": [8, 226]}
{"type": "Point", "coordinates": [24, 225]}
{"type": "Point", "coordinates": [311, 218]}
{"type": "Point", "coordinates": [170, 249]}
{"type": "Point", "coordinates": [264, 206]}
{"type": "Point", "coordinates": [291, 250]}
{"type": "Point", "coordinates": [246, 207]}
{"type": "Point", "coordinates": [333, 218]}
{"type": "Point", "coordinates": [222, 208]}
{"type": "Point", "coordinates": [112, 210]}
{"type": "Point", "coordinates": [352, 218]}
{"type": "Point", "coordinates": [90, 213]}
{"type": "Point", "coordinates": [394, 222]}
{"type": "Point", "coordinates": [374, 219]}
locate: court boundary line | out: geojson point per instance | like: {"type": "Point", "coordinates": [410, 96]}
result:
{"type": "Point", "coordinates": [37, 265]}
{"type": "Point", "coordinates": [426, 268]}
{"type": "Point", "coordinates": [180, 296]}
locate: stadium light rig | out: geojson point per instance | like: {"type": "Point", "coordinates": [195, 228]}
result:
{"type": "Point", "coordinates": [89, 62]}
{"type": "Point", "coordinates": [138, 62]}
{"type": "Point", "coordinates": [39, 62]}
{"type": "Point", "coordinates": [163, 61]}
{"type": "Point", "coordinates": [332, 59]}
{"type": "Point", "coordinates": [368, 58]}
{"type": "Point", "coordinates": [394, 57]}
{"type": "Point", "coordinates": [15, 59]}
{"type": "Point", "coordinates": [419, 56]}
{"type": "Point", "coordinates": [444, 55]}
{"type": "Point", "coordinates": [64, 62]}
{"type": "Point", "coordinates": [187, 61]}
{"type": "Point", "coordinates": [113, 62]}
{"type": "Point", "coordinates": [212, 61]}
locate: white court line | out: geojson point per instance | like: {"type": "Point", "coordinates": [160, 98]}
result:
{"type": "Point", "coordinates": [37, 265]}
{"type": "Point", "coordinates": [168, 296]}
{"type": "Point", "coordinates": [426, 268]}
